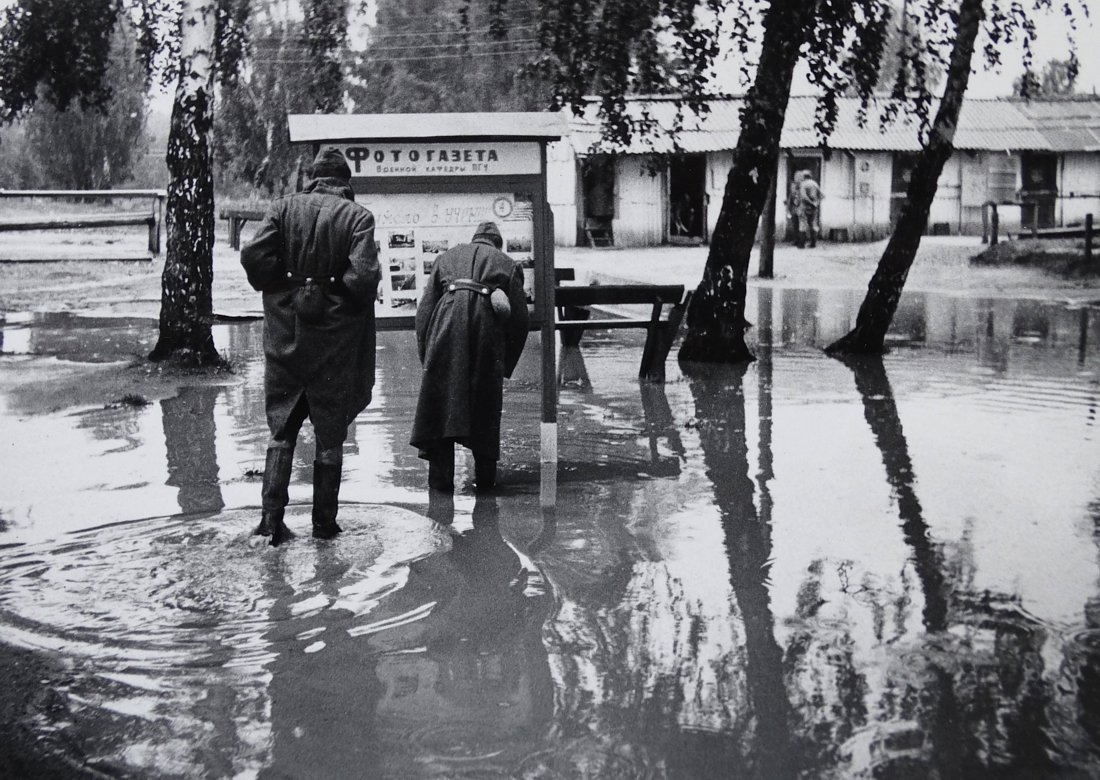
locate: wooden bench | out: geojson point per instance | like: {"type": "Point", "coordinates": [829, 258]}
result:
{"type": "Point", "coordinates": [574, 305]}
{"type": "Point", "coordinates": [237, 219]}
{"type": "Point", "coordinates": [80, 221]}
{"type": "Point", "coordinates": [574, 309]}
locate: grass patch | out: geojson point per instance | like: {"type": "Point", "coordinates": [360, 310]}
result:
{"type": "Point", "coordinates": [1064, 258]}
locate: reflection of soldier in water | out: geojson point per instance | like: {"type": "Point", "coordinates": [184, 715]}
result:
{"type": "Point", "coordinates": [447, 668]}
{"type": "Point", "coordinates": [482, 681]}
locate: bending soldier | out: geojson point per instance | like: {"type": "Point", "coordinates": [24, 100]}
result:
{"type": "Point", "coordinates": [471, 326]}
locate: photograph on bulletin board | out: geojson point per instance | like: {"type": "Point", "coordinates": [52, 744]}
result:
{"type": "Point", "coordinates": [413, 229]}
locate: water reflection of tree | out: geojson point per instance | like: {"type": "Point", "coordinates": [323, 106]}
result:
{"type": "Point", "coordinates": [652, 671]}
{"type": "Point", "coordinates": [1082, 665]}
{"type": "Point", "coordinates": [190, 439]}
{"type": "Point", "coordinates": [244, 399]}
{"type": "Point", "coordinates": [976, 682]}
{"type": "Point", "coordinates": [720, 413]}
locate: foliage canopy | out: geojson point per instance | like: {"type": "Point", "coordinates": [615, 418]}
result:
{"type": "Point", "coordinates": [888, 53]}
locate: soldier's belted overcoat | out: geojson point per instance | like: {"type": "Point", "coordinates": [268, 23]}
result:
{"type": "Point", "coordinates": [466, 350]}
{"type": "Point", "coordinates": [315, 260]}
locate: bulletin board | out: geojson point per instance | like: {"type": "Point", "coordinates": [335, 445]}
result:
{"type": "Point", "coordinates": [430, 180]}
{"type": "Point", "coordinates": [411, 230]}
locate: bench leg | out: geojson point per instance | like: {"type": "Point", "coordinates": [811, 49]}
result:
{"type": "Point", "coordinates": [651, 338]}
{"type": "Point", "coordinates": [659, 342]}
{"type": "Point", "coordinates": [154, 228]}
{"type": "Point", "coordinates": [572, 337]}
{"type": "Point", "coordinates": [234, 233]}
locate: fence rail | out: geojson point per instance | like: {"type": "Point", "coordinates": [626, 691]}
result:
{"type": "Point", "coordinates": [153, 219]}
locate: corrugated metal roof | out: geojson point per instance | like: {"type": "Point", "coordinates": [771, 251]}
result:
{"type": "Point", "coordinates": [799, 131]}
{"type": "Point", "coordinates": [1075, 139]}
{"type": "Point", "coordinates": [984, 125]}
{"type": "Point", "coordinates": [1070, 124]}
{"type": "Point", "coordinates": [514, 126]}
{"type": "Point", "coordinates": [716, 130]}
{"type": "Point", "coordinates": [997, 125]}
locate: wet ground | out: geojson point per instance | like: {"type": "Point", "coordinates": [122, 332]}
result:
{"type": "Point", "coordinates": [800, 567]}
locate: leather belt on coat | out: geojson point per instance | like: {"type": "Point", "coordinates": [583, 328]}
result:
{"type": "Point", "coordinates": [330, 283]}
{"type": "Point", "coordinates": [469, 285]}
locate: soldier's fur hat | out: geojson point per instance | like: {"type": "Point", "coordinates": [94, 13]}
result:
{"type": "Point", "coordinates": [490, 231]}
{"type": "Point", "coordinates": [330, 164]}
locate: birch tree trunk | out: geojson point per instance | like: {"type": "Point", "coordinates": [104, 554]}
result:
{"type": "Point", "coordinates": [716, 317]}
{"type": "Point", "coordinates": [884, 290]}
{"type": "Point", "coordinates": [186, 309]}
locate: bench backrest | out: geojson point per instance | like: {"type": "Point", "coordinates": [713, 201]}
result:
{"type": "Point", "coordinates": [618, 294]}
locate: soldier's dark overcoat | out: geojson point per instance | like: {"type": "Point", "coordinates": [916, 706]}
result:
{"type": "Point", "coordinates": [465, 350]}
{"type": "Point", "coordinates": [324, 352]}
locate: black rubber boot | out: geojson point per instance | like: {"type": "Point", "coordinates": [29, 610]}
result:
{"type": "Point", "coordinates": [441, 467]}
{"type": "Point", "coordinates": [441, 507]}
{"type": "Point", "coordinates": [274, 495]}
{"type": "Point", "coordinates": [485, 474]}
{"type": "Point", "coordinates": [326, 495]}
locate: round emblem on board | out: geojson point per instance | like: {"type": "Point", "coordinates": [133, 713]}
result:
{"type": "Point", "coordinates": [502, 207]}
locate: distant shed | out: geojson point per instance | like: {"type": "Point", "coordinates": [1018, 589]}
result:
{"type": "Point", "coordinates": [1040, 160]}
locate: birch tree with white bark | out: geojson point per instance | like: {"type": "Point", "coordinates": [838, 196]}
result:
{"type": "Point", "coordinates": [57, 51]}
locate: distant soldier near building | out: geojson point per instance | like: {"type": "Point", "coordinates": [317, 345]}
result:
{"type": "Point", "coordinates": [809, 205]}
{"type": "Point", "coordinates": [315, 261]}
{"type": "Point", "coordinates": [794, 199]}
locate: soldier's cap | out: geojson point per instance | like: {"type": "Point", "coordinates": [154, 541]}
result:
{"type": "Point", "coordinates": [490, 231]}
{"type": "Point", "coordinates": [330, 164]}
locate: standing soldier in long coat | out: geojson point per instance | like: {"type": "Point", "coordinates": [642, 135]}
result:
{"type": "Point", "coordinates": [471, 326]}
{"type": "Point", "coordinates": [315, 261]}
{"type": "Point", "coordinates": [809, 209]}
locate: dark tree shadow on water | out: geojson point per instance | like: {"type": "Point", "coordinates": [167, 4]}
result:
{"type": "Point", "coordinates": [881, 412]}
{"type": "Point", "coordinates": [190, 438]}
{"type": "Point", "coordinates": [721, 422]}
{"type": "Point", "coordinates": [980, 713]}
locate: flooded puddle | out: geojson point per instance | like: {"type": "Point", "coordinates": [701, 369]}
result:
{"type": "Point", "coordinates": [800, 567]}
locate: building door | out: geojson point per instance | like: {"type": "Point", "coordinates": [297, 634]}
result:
{"type": "Point", "coordinates": [598, 181]}
{"type": "Point", "coordinates": [1039, 189]}
{"type": "Point", "coordinates": [794, 165]}
{"type": "Point", "coordinates": [687, 178]}
{"type": "Point", "coordinates": [903, 163]}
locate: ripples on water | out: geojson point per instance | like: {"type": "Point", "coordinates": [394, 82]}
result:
{"type": "Point", "coordinates": [799, 567]}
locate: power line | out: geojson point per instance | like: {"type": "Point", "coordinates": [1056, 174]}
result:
{"type": "Point", "coordinates": [423, 46]}
{"type": "Point", "coordinates": [461, 55]}
{"type": "Point", "coordinates": [477, 31]}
